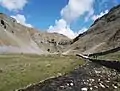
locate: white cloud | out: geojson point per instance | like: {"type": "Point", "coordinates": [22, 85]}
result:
{"type": "Point", "coordinates": [13, 4]}
{"type": "Point", "coordinates": [22, 20]}
{"type": "Point", "coordinates": [62, 28]}
{"type": "Point", "coordinates": [71, 12]}
{"type": "Point", "coordinates": [90, 13]}
{"type": "Point", "coordinates": [84, 29]}
{"type": "Point", "coordinates": [94, 17]}
{"type": "Point", "coordinates": [76, 8]}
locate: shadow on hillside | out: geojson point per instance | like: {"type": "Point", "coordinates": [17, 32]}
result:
{"type": "Point", "coordinates": [106, 52]}
{"type": "Point", "coordinates": [109, 64]}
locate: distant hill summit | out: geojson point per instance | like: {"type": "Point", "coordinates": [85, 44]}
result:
{"type": "Point", "coordinates": [16, 38]}
{"type": "Point", "coordinates": [104, 34]}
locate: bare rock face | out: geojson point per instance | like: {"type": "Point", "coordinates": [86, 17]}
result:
{"type": "Point", "coordinates": [16, 38]}
{"type": "Point", "coordinates": [103, 35]}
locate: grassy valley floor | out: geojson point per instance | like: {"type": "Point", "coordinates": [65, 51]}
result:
{"type": "Point", "coordinates": [20, 70]}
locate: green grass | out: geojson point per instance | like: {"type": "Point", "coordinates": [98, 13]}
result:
{"type": "Point", "coordinates": [18, 71]}
{"type": "Point", "coordinates": [112, 56]}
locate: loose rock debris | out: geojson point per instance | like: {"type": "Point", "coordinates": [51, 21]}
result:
{"type": "Point", "coordinates": [89, 77]}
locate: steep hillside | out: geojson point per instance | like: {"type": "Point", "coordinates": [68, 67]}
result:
{"type": "Point", "coordinates": [103, 35]}
{"type": "Point", "coordinates": [51, 42]}
{"type": "Point", "coordinates": [16, 38]}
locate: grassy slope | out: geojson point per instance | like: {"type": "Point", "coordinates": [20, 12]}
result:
{"type": "Point", "coordinates": [112, 56]}
{"type": "Point", "coordinates": [20, 70]}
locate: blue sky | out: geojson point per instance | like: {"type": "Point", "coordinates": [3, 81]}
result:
{"type": "Point", "coordinates": [68, 17]}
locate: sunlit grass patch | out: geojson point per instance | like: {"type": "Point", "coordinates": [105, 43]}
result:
{"type": "Point", "coordinates": [20, 70]}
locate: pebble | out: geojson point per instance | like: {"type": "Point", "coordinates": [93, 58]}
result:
{"type": "Point", "coordinates": [68, 84]}
{"type": "Point", "coordinates": [48, 65]}
{"type": "Point", "coordinates": [96, 86]}
{"type": "Point", "coordinates": [107, 81]}
{"type": "Point", "coordinates": [114, 86]}
{"type": "Point", "coordinates": [61, 86]}
{"type": "Point", "coordinates": [98, 79]}
{"type": "Point", "coordinates": [97, 72]}
{"type": "Point", "coordinates": [71, 84]}
{"type": "Point", "coordinates": [107, 86]}
{"type": "Point", "coordinates": [102, 85]}
{"type": "Point", "coordinates": [91, 88]}
{"type": "Point", "coordinates": [92, 80]}
{"type": "Point", "coordinates": [59, 74]}
{"type": "Point", "coordinates": [90, 84]}
{"type": "Point", "coordinates": [84, 89]}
